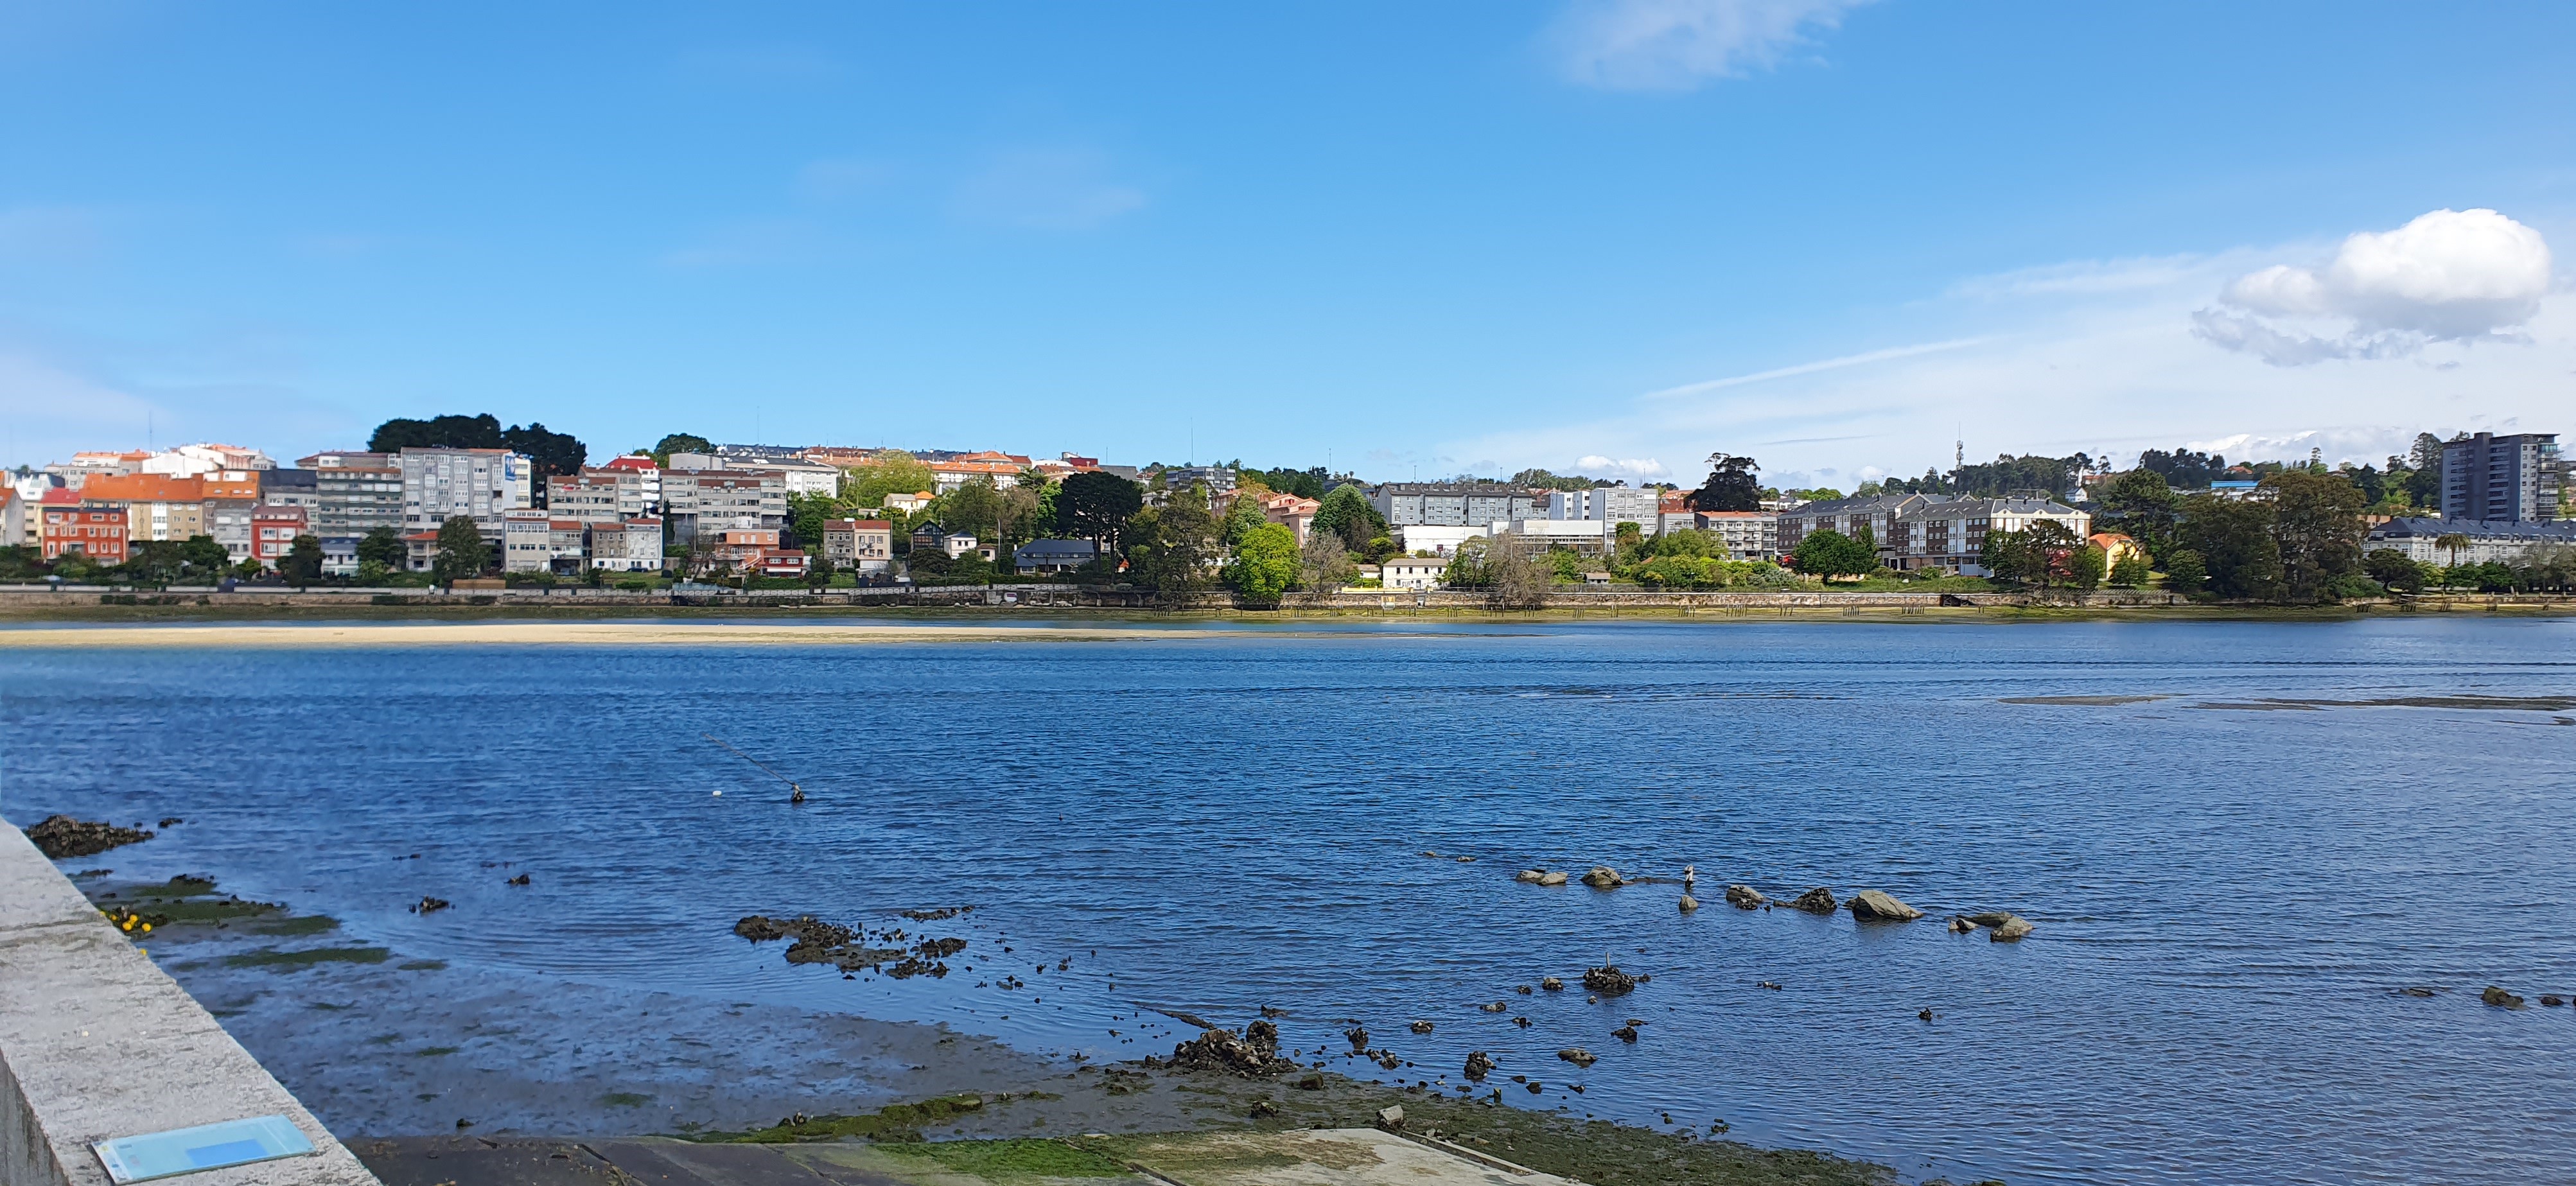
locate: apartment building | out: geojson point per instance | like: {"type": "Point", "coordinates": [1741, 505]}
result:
{"type": "Point", "coordinates": [157, 507]}
{"type": "Point", "coordinates": [291, 488]}
{"type": "Point", "coordinates": [2419, 539]}
{"type": "Point", "coordinates": [355, 492]}
{"type": "Point", "coordinates": [273, 529]}
{"type": "Point", "coordinates": [632, 545]}
{"type": "Point", "coordinates": [484, 485]}
{"type": "Point", "coordinates": [1951, 532]}
{"type": "Point", "coordinates": [1746, 535]}
{"type": "Point", "coordinates": [722, 500]}
{"type": "Point", "coordinates": [2502, 479]}
{"type": "Point", "coordinates": [1455, 504]}
{"type": "Point", "coordinates": [866, 545]}
{"type": "Point", "coordinates": [595, 495]}
{"type": "Point", "coordinates": [1609, 504]}
{"type": "Point", "coordinates": [98, 532]}
{"type": "Point", "coordinates": [1218, 479]}
{"type": "Point", "coordinates": [1848, 516]}
{"type": "Point", "coordinates": [536, 540]}
{"type": "Point", "coordinates": [231, 495]}
{"type": "Point", "coordinates": [1294, 512]}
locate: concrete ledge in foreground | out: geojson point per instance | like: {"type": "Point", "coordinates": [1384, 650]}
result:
{"type": "Point", "coordinates": [96, 1042]}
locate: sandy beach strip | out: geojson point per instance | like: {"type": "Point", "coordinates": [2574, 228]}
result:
{"type": "Point", "coordinates": [720, 634]}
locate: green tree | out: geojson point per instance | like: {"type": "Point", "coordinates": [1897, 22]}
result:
{"type": "Point", "coordinates": [1733, 484]}
{"type": "Point", "coordinates": [302, 564]}
{"type": "Point", "coordinates": [1097, 506]}
{"type": "Point", "coordinates": [461, 551]}
{"type": "Point", "coordinates": [153, 562]}
{"type": "Point", "coordinates": [2140, 505]}
{"type": "Point", "coordinates": [679, 442]}
{"type": "Point", "coordinates": [896, 472]}
{"type": "Point", "coordinates": [2392, 568]}
{"type": "Point", "coordinates": [2233, 538]}
{"type": "Point", "coordinates": [2317, 529]}
{"type": "Point", "coordinates": [1172, 544]}
{"type": "Point", "coordinates": [1346, 512]}
{"type": "Point", "coordinates": [2454, 543]}
{"type": "Point", "coordinates": [1264, 564]}
{"type": "Point", "coordinates": [972, 509]}
{"type": "Point", "coordinates": [550, 452]}
{"type": "Point", "coordinates": [2085, 567]}
{"type": "Point", "coordinates": [1830, 553]}
{"type": "Point", "coordinates": [385, 546]}
{"type": "Point", "coordinates": [1243, 518]}
{"type": "Point", "coordinates": [2184, 572]}
{"type": "Point", "coordinates": [2131, 572]}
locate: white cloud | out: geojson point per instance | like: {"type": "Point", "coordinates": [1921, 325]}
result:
{"type": "Point", "coordinates": [2101, 357]}
{"type": "Point", "coordinates": [1641, 468]}
{"type": "Point", "coordinates": [1045, 189]}
{"type": "Point", "coordinates": [2448, 276]}
{"type": "Point", "coordinates": [1665, 45]}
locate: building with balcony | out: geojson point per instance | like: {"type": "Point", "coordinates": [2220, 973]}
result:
{"type": "Point", "coordinates": [2502, 479]}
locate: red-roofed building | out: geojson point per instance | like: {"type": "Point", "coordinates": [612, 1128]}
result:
{"type": "Point", "coordinates": [97, 532]}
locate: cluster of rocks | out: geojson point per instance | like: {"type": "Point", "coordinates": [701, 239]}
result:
{"type": "Point", "coordinates": [1479, 1065]}
{"type": "Point", "coordinates": [846, 948]}
{"type": "Point", "coordinates": [1254, 1055]}
{"type": "Point", "coordinates": [60, 836]}
{"type": "Point", "coordinates": [2003, 926]}
{"type": "Point", "coordinates": [2501, 999]}
{"type": "Point", "coordinates": [430, 905]}
{"type": "Point", "coordinates": [1540, 876]}
{"type": "Point", "coordinates": [1609, 981]}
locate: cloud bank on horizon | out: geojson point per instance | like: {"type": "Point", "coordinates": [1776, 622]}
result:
{"type": "Point", "coordinates": [2393, 333]}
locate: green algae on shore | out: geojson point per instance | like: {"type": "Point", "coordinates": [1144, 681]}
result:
{"type": "Point", "coordinates": [289, 960]}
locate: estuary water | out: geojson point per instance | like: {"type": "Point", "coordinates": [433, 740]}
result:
{"type": "Point", "coordinates": [2236, 864]}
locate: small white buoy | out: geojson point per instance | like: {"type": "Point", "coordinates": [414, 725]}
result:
{"type": "Point", "coordinates": [719, 794]}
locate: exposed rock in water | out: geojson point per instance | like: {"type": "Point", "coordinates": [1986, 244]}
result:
{"type": "Point", "coordinates": [820, 942]}
{"type": "Point", "coordinates": [1578, 1056]}
{"type": "Point", "coordinates": [521, 879]}
{"type": "Point", "coordinates": [1552, 877]}
{"type": "Point", "coordinates": [1531, 876]}
{"type": "Point", "coordinates": [1961, 926]}
{"type": "Point", "coordinates": [1990, 918]}
{"type": "Point", "coordinates": [170, 821]}
{"type": "Point", "coordinates": [1744, 897]}
{"type": "Point", "coordinates": [1603, 877]}
{"type": "Point", "coordinates": [1609, 981]}
{"type": "Point", "coordinates": [1387, 1059]}
{"type": "Point", "coordinates": [60, 836]}
{"type": "Point", "coordinates": [2010, 930]}
{"type": "Point", "coordinates": [1479, 1065]}
{"type": "Point", "coordinates": [1689, 903]}
{"type": "Point", "coordinates": [1878, 906]}
{"type": "Point", "coordinates": [1420, 1027]}
{"type": "Point", "coordinates": [1816, 901]}
{"type": "Point", "coordinates": [1255, 1055]}
{"type": "Point", "coordinates": [2415, 991]}
{"type": "Point", "coordinates": [2552, 1001]}
{"type": "Point", "coordinates": [1522, 1022]}
{"type": "Point", "coordinates": [429, 905]}
{"type": "Point", "coordinates": [1495, 1007]}
{"type": "Point", "coordinates": [1273, 1011]}
{"type": "Point", "coordinates": [1551, 983]}
{"type": "Point", "coordinates": [2500, 998]}
{"type": "Point", "coordinates": [1358, 1037]}
{"type": "Point", "coordinates": [1625, 1033]}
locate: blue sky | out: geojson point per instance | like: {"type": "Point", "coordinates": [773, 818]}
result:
{"type": "Point", "coordinates": [1609, 235]}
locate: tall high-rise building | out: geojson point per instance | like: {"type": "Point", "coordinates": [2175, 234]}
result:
{"type": "Point", "coordinates": [2502, 479]}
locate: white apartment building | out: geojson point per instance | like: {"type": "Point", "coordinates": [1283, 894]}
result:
{"type": "Point", "coordinates": [2489, 542]}
{"type": "Point", "coordinates": [1412, 572]}
{"type": "Point", "coordinates": [484, 485]}
{"type": "Point", "coordinates": [535, 541]}
{"type": "Point", "coordinates": [633, 545]}
{"type": "Point", "coordinates": [604, 494]}
{"type": "Point", "coordinates": [866, 545]}
{"type": "Point", "coordinates": [1609, 504]}
{"type": "Point", "coordinates": [1746, 535]}
{"type": "Point", "coordinates": [723, 500]}
{"type": "Point", "coordinates": [355, 491]}
{"type": "Point", "coordinates": [1455, 504]}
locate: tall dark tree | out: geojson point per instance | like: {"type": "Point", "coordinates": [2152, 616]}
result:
{"type": "Point", "coordinates": [2233, 540]}
{"type": "Point", "coordinates": [1170, 546]}
{"type": "Point", "coordinates": [385, 546]}
{"type": "Point", "coordinates": [2316, 524]}
{"type": "Point", "coordinates": [461, 550]}
{"type": "Point", "coordinates": [302, 564]}
{"type": "Point", "coordinates": [2020, 475]}
{"type": "Point", "coordinates": [553, 452]}
{"type": "Point", "coordinates": [2140, 505]}
{"type": "Point", "coordinates": [679, 442]}
{"type": "Point", "coordinates": [1097, 506]}
{"type": "Point", "coordinates": [2183, 469]}
{"type": "Point", "coordinates": [1734, 484]}
{"type": "Point", "coordinates": [1346, 512]}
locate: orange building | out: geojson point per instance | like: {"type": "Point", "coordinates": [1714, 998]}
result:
{"type": "Point", "coordinates": [98, 532]}
{"type": "Point", "coordinates": [156, 506]}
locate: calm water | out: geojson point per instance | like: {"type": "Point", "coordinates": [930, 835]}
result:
{"type": "Point", "coordinates": [2226, 898]}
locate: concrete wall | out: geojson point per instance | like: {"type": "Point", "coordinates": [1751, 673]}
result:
{"type": "Point", "coordinates": [1069, 596]}
{"type": "Point", "coordinates": [96, 1042]}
